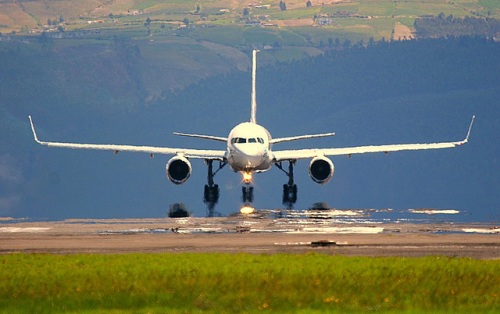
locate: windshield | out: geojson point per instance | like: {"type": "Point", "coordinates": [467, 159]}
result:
{"type": "Point", "coordinates": [242, 140]}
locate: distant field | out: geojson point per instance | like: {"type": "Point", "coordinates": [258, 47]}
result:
{"type": "Point", "coordinates": [177, 283]}
{"type": "Point", "coordinates": [355, 18]}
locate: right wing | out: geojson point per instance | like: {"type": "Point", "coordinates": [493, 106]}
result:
{"type": "Point", "coordinates": [311, 153]}
{"type": "Point", "coordinates": [189, 153]}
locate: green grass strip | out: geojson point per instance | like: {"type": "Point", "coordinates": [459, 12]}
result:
{"type": "Point", "coordinates": [158, 283]}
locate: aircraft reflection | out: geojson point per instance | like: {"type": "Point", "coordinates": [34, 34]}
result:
{"type": "Point", "coordinates": [247, 209]}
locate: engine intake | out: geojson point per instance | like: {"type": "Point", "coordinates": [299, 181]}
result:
{"type": "Point", "coordinates": [178, 169]}
{"type": "Point", "coordinates": [321, 169]}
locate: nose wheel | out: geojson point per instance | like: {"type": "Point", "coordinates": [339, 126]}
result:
{"type": "Point", "coordinates": [247, 195]}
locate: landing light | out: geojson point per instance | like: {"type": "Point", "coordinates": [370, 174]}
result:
{"type": "Point", "coordinates": [247, 177]}
{"type": "Point", "coordinates": [246, 210]}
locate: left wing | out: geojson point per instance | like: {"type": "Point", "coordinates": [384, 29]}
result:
{"type": "Point", "coordinates": [206, 137]}
{"type": "Point", "coordinates": [300, 137]}
{"type": "Point", "coordinates": [189, 153]}
{"type": "Point", "coordinates": [311, 153]}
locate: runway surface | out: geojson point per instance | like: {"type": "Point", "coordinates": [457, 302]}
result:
{"type": "Point", "coordinates": [252, 234]}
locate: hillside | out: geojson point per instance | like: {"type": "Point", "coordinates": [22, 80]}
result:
{"type": "Point", "coordinates": [389, 92]}
{"type": "Point", "coordinates": [182, 42]}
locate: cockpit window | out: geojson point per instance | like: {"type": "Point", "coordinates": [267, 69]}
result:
{"type": "Point", "coordinates": [239, 140]}
{"type": "Point", "coordinates": [242, 140]}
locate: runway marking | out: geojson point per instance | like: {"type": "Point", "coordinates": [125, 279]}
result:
{"type": "Point", "coordinates": [364, 230]}
{"type": "Point", "coordinates": [435, 211]}
{"type": "Point", "coordinates": [476, 230]}
{"type": "Point", "coordinates": [19, 229]}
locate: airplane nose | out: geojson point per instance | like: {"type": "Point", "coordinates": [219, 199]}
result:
{"type": "Point", "coordinates": [252, 156]}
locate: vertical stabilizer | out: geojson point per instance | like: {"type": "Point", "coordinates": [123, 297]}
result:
{"type": "Point", "coordinates": [254, 101]}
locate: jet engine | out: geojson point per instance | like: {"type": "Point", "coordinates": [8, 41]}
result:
{"type": "Point", "coordinates": [178, 169]}
{"type": "Point", "coordinates": [321, 169]}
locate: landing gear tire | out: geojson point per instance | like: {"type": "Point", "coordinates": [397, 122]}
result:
{"type": "Point", "coordinates": [211, 194]}
{"type": "Point", "coordinates": [247, 194]}
{"type": "Point", "coordinates": [289, 194]}
{"type": "Point", "coordinates": [289, 190]}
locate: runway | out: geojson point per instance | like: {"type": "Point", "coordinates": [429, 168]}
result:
{"type": "Point", "coordinates": [250, 234]}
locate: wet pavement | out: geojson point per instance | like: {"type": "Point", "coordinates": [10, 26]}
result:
{"type": "Point", "coordinates": [344, 232]}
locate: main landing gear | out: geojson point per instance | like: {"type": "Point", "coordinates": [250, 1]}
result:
{"type": "Point", "coordinates": [211, 191]}
{"type": "Point", "coordinates": [289, 189]}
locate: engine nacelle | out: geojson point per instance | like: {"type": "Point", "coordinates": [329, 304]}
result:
{"type": "Point", "coordinates": [321, 169]}
{"type": "Point", "coordinates": [178, 169]}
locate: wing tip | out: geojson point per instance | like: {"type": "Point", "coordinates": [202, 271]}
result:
{"type": "Point", "coordinates": [33, 130]}
{"type": "Point", "coordinates": [470, 128]}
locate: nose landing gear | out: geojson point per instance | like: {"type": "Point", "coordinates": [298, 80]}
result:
{"type": "Point", "coordinates": [247, 196]}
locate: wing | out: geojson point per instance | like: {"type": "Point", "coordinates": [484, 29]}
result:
{"type": "Point", "coordinates": [189, 153]}
{"type": "Point", "coordinates": [300, 137]}
{"type": "Point", "coordinates": [206, 137]}
{"type": "Point", "coordinates": [311, 153]}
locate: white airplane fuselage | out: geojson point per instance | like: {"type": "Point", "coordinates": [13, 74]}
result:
{"type": "Point", "coordinates": [249, 148]}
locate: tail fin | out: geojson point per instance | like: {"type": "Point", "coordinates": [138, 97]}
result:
{"type": "Point", "coordinates": [254, 74]}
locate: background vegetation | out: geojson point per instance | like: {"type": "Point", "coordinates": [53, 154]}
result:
{"type": "Point", "coordinates": [351, 19]}
{"type": "Point", "coordinates": [441, 26]}
{"type": "Point", "coordinates": [245, 283]}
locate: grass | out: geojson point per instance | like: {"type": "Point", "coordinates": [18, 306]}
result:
{"type": "Point", "coordinates": [245, 283]}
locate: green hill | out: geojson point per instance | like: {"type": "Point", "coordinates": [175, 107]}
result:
{"type": "Point", "coordinates": [179, 43]}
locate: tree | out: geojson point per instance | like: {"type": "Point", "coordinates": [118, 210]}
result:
{"type": "Point", "coordinates": [45, 40]}
{"type": "Point", "coordinates": [185, 21]}
{"type": "Point", "coordinates": [337, 43]}
{"type": "Point", "coordinates": [246, 11]}
{"type": "Point", "coordinates": [346, 44]}
{"type": "Point", "coordinates": [308, 3]}
{"type": "Point", "coordinates": [282, 6]}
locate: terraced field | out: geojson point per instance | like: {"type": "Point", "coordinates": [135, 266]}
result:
{"type": "Point", "coordinates": [353, 19]}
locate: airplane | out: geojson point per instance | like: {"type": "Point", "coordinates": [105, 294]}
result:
{"type": "Point", "coordinates": [249, 150]}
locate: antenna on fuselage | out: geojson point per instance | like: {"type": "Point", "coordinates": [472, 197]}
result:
{"type": "Point", "coordinates": [254, 74]}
